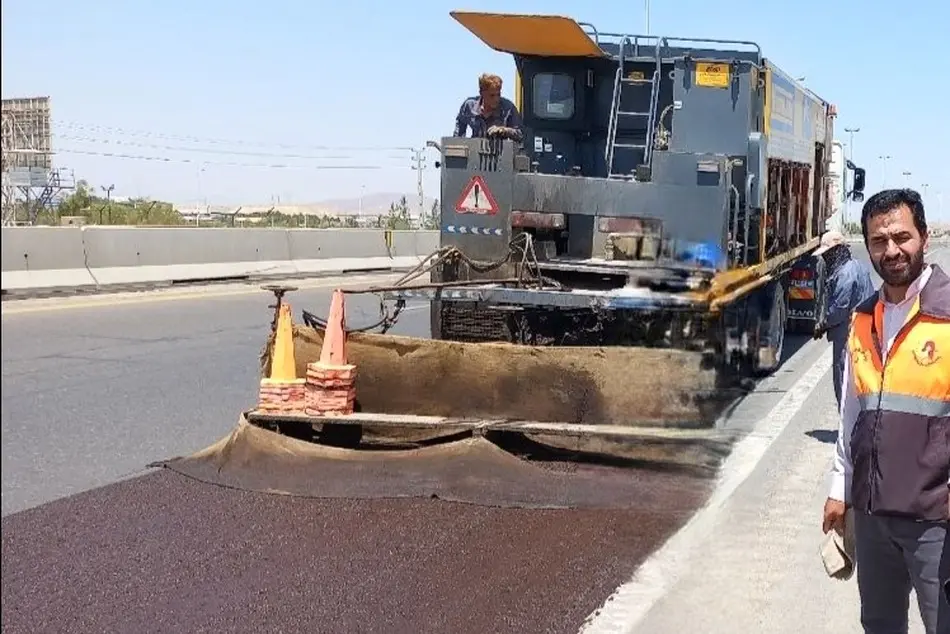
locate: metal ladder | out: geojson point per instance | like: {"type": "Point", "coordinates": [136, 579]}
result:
{"type": "Point", "coordinates": [620, 80]}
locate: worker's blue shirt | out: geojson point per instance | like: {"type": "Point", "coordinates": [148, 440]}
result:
{"type": "Point", "coordinates": [849, 286]}
{"type": "Point", "coordinates": [471, 117]}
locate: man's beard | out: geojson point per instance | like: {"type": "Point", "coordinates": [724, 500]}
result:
{"type": "Point", "coordinates": [909, 268]}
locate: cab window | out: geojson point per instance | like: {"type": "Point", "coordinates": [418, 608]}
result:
{"type": "Point", "coordinates": [553, 96]}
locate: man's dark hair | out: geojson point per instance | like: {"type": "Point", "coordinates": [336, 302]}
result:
{"type": "Point", "coordinates": [889, 199]}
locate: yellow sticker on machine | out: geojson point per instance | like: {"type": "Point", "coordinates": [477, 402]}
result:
{"type": "Point", "coordinates": [712, 74]}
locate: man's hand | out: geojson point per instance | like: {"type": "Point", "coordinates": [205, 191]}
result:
{"type": "Point", "coordinates": [498, 130]}
{"type": "Point", "coordinates": [819, 331]}
{"type": "Point", "coordinates": [833, 516]}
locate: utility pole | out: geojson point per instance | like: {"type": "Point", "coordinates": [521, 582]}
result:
{"type": "Point", "coordinates": [906, 174]}
{"type": "Point", "coordinates": [418, 164]}
{"type": "Point", "coordinates": [851, 132]}
{"type": "Point", "coordinates": [108, 191]}
{"type": "Point", "coordinates": [202, 200]}
{"type": "Point", "coordinates": [884, 158]}
{"type": "Point", "coordinates": [847, 201]}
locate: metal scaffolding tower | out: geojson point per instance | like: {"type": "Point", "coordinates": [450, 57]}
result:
{"type": "Point", "coordinates": [30, 183]}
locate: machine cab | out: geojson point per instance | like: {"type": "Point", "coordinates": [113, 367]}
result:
{"type": "Point", "coordinates": [601, 104]}
{"type": "Point", "coordinates": [702, 143]}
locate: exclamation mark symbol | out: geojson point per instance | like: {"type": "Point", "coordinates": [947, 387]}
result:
{"type": "Point", "coordinates": [477, 191]}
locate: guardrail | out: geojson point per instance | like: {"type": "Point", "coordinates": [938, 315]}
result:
{"type": "Point", "coordinates": [48, 260]}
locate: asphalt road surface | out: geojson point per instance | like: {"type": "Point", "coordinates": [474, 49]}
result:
{"type": "Point", "coordinates": [95, 389]}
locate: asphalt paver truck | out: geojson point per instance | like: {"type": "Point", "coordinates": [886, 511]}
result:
{"type": "Point", "coordinates": [619, 276]}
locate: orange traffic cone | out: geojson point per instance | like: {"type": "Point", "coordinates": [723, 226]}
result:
{"type": "Point", "coordinates": [334, 341]}
{"type": "Point", "coordinates": [282, 392]}
{"type": "Point", "coordinates": [331, 381]}
{"type": "Point", "coordinates": [283, 365]}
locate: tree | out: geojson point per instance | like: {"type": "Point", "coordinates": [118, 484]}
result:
{"type": "Point", "coordinates": [398, 216]}
{"type": "Point", "coordinates": [431, 220]}
{"type": "Point", "coordinates": [77, 203]}
{"type": "Point", "coordinates": [97, 210]}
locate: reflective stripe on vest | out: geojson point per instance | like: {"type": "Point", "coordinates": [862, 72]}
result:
{"type": "Point", "coordinates": [905, 403]}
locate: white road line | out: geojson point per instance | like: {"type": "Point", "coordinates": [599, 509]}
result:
{"type": "Point", "coordinates": [630, 603]}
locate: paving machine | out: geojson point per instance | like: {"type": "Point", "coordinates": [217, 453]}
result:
{"type": "Point", "coordinates": [620, 274]}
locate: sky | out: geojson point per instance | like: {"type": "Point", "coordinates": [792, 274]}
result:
{"type": "Point", "coordinates": [244, 102]}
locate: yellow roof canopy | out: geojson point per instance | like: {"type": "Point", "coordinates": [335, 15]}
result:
{"type": "Point", "coordinates": [541, 35]}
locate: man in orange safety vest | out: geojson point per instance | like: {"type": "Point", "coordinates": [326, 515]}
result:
{"type": "Point", "coordinates": [892, 459]}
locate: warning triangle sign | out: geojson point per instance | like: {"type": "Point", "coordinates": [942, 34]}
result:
{"type": "Point", "coordinates": [476, 198]}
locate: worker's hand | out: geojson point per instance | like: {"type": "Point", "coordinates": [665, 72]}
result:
{"type": "Point", "coordinates": [500, 131]}
{"type": "Point", "coordinates": [833, 516]}
{"type": "Point", "coordinates": [819, 331]}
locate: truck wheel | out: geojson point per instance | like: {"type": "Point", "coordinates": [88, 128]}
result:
{"type": "Point", "coordinates": [772, 341]}
{"type": "Point", "coordinates": [748, 333]}
{"type": "Point", "coordinates": [435, 319]}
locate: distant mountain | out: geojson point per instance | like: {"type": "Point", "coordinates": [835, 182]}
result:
{"type": "Point", "coordinates": [372, 205]}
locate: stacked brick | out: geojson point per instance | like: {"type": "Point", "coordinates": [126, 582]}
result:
{"type": "Point", "coordinates": [331, 381]}
{"type": "Point", "coordinates": [331, 390]}
{"type": "Point", "coordinates": [282, 397]}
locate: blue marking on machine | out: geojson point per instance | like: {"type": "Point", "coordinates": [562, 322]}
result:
{"type": "Point", "coordinates": [469, 230]}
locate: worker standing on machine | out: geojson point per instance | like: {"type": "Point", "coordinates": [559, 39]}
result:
{"type": "Point", "coordinates": [847, 284]}
{"type": "Point", "coordinates": [489, 114]}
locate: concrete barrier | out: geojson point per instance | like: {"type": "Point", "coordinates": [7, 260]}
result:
{"type": "Point", "coordinates": [127, 255]}
{"type": "Point", "coordinates": [414, 242]}
{"type": "Point", "coordinates": [42, 259]}
{"type": "Point", "coordinates": [320, 251]}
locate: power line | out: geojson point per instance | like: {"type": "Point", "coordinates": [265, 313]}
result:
{"type": "Point", "coordinates": [174, 148]}
{"type": "Point", "coordinates": [166, 159]}
{"type": "Point", "coordinates": [218, 141]}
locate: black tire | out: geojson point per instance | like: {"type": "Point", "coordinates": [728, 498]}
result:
{"type": "Point", "coordinates": [775, 326]}
{"type": "Point", "coordinates": [435, 319]}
